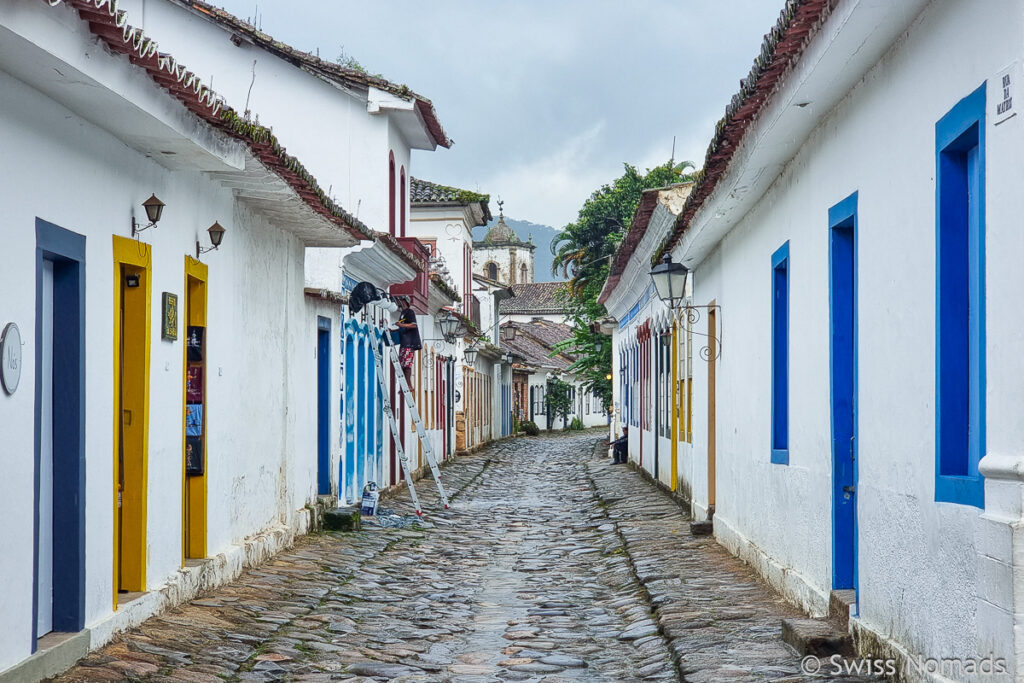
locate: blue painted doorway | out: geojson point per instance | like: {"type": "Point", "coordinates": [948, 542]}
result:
{"type": "Point", "coordinates": [323, 403]}
{"type": "Point", "coordinates": [843, 354]}
{"type": "Point", "coordinates": [58, 593]}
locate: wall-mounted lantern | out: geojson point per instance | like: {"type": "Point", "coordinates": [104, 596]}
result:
{"type": "Point", "coordinates": [154, 210]}
{"type": "Point", "coordinates": [216, 237]}
{"type": "Point", "coordinates": [448, 324]}
{"type": "Point", "coordinates": [470, 355]}
{"type": "Point", "coordinates": [508, 333]}
{"type": "Point", "coordinates": [670, 281]}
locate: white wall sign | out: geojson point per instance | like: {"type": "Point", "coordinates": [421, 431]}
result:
{"type": "Point", "coordinates": [1002, 94]}
{"type": "Point", "coordinates": [10, 358]}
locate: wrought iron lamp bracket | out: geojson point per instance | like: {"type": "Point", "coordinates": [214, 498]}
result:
{"type": "Point", "coordinates": [712, 351]}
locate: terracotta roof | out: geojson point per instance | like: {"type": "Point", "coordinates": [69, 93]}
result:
{"type": "Point", "coordinates": [328, 69]}
{"type": "Point", "coordinates": [782, 48]}
{"type": "Point", "coordinates": [110, 25]}
{"type": "Point", "coordinates": [535, 340]}
{"type": "Point", "coordinates": [426, 192]}
{"type": "Point", "coordinates": [545, 331]}
{"type": "Point", "coordinates": [535, 297]}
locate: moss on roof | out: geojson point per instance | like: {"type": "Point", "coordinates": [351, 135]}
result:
{"type": "Point", "coordinates": [426, 192]}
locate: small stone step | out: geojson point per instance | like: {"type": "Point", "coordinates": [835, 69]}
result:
{"type": "Point", "coordinates": [342, 519]}
{"type": "Point", "coordinates": [839, 605]}
{"type": "Point", "coordinates": [705, 528]}
{"type": "Point", "coordinates": [817, 637]}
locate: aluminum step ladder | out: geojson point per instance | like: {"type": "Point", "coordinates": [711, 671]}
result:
{"type": "Point", "coordinates": [421, 432]}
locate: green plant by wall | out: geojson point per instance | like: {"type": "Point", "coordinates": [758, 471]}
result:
{"type": "Point", "coordinates": [576, 424]}
{"type": "Point", "coordinates": [531, 428]}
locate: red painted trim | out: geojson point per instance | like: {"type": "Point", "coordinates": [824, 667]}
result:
{"type": "Point", "coordinates": [404, 200]}
{"type": "Point", "coordinates": [391, 194]}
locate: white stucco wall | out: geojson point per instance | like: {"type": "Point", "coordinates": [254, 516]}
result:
{"type": "Point", "coordinates": [259, 398]}
{"type": "Point", "coordinates": [920, 572]}
{"type": "Point", "coordinates": [349, 157]}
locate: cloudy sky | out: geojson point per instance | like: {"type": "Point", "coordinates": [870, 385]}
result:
{"type": "Point", "coordinates": [545, 99]}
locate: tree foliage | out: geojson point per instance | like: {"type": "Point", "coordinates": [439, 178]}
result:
{"type": "Point", "coordinates": [559, 396]}
{"type": "Point", "coordinates": [583, 252]}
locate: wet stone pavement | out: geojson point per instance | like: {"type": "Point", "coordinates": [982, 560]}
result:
{"type": "Point", "coordinates": [552, 565]}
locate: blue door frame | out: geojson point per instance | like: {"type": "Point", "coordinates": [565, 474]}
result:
{"type": "Point", "coordinates": [323, 403]}
{"type": "Point", "coordinates": [842, 219]}
{"type": "Point", "coordinates": [66, 250]}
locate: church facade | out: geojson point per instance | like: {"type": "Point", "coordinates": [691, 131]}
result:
{"type": "Point", "coordinates": [503, 257]}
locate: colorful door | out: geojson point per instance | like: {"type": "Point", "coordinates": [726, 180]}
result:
{"type": "Point", "coordinates": [59, 587]}
{"type": "Point", "coordinates": [194, 502]}
{"type": "Point", "coordinates": [131, 405]}
{"type": "Point", "coordinates": [323, 403]}
{"type": "Point", "coordinates": [843, 348]}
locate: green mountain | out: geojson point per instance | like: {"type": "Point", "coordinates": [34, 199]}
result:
{"type": "Point", "coordinates": [542, 236]}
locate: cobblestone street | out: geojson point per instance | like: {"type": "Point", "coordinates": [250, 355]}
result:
{"type": "Point", "coordinates": [552, 565]}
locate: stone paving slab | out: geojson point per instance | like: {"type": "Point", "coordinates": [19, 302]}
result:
{"type": "Point", "coordinates": [551, 566]}
{"type": "Point", "coordinates": [721, 621]}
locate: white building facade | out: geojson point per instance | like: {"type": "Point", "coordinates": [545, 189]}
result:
{"type": "Point", "coordinates": [858, 429]}
{"type": "Point", "coordinates": [176, 414]}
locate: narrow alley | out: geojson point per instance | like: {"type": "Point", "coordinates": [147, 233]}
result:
{"type": "Point", "coordinates": [552, 565]}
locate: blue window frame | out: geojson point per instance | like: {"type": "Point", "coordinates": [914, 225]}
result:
{"type": "Point", "coordinates": [780, 355]}
{"type": "Point", "coordinates": [960, 301]}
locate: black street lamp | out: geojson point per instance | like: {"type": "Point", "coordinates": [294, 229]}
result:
{"type": "Point", "coordinates": [670, 281]}
{"type": "Point", "coordinates": [470, 355]}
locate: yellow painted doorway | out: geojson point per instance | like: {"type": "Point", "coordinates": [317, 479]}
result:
{"type": "Point", "coordinates": [194, 489]}
{"type": "Point", "coordinates": [132, 286]}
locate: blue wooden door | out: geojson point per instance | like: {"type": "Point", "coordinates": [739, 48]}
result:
{"type": "Point", "coordinates": [843, 347]}
{"type": "Point", "coordinates": [323, 402]}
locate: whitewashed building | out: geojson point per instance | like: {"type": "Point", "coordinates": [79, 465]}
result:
{"type": "Point", "coordinates": [855, 232]}
{"type": "Point", "coordinates": [653, 349]}
{"type": "Point", "coordinates": [172, 410]}
{"type": "Point", "coordinates": [443, 219]}
{"type": "Point", "coordinates": [157, 413]}
{"type": "Point", "coordinates": [366, 163]}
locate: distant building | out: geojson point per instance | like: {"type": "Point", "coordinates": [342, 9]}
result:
{"type": "Point", "coordinates": [502, 256]}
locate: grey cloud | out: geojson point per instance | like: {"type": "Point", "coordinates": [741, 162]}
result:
{"type": "Point", "coordinates": [544, 99]}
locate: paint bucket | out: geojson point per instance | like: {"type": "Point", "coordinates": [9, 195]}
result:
{"type": "Point", "coordinates": [371, 497]}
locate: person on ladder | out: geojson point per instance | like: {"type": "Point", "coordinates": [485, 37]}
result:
{"type": "Point", "coordinates": [408, 337]}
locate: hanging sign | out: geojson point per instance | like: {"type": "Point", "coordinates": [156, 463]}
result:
{"type": "Point", "coordinates": [10, 358]}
